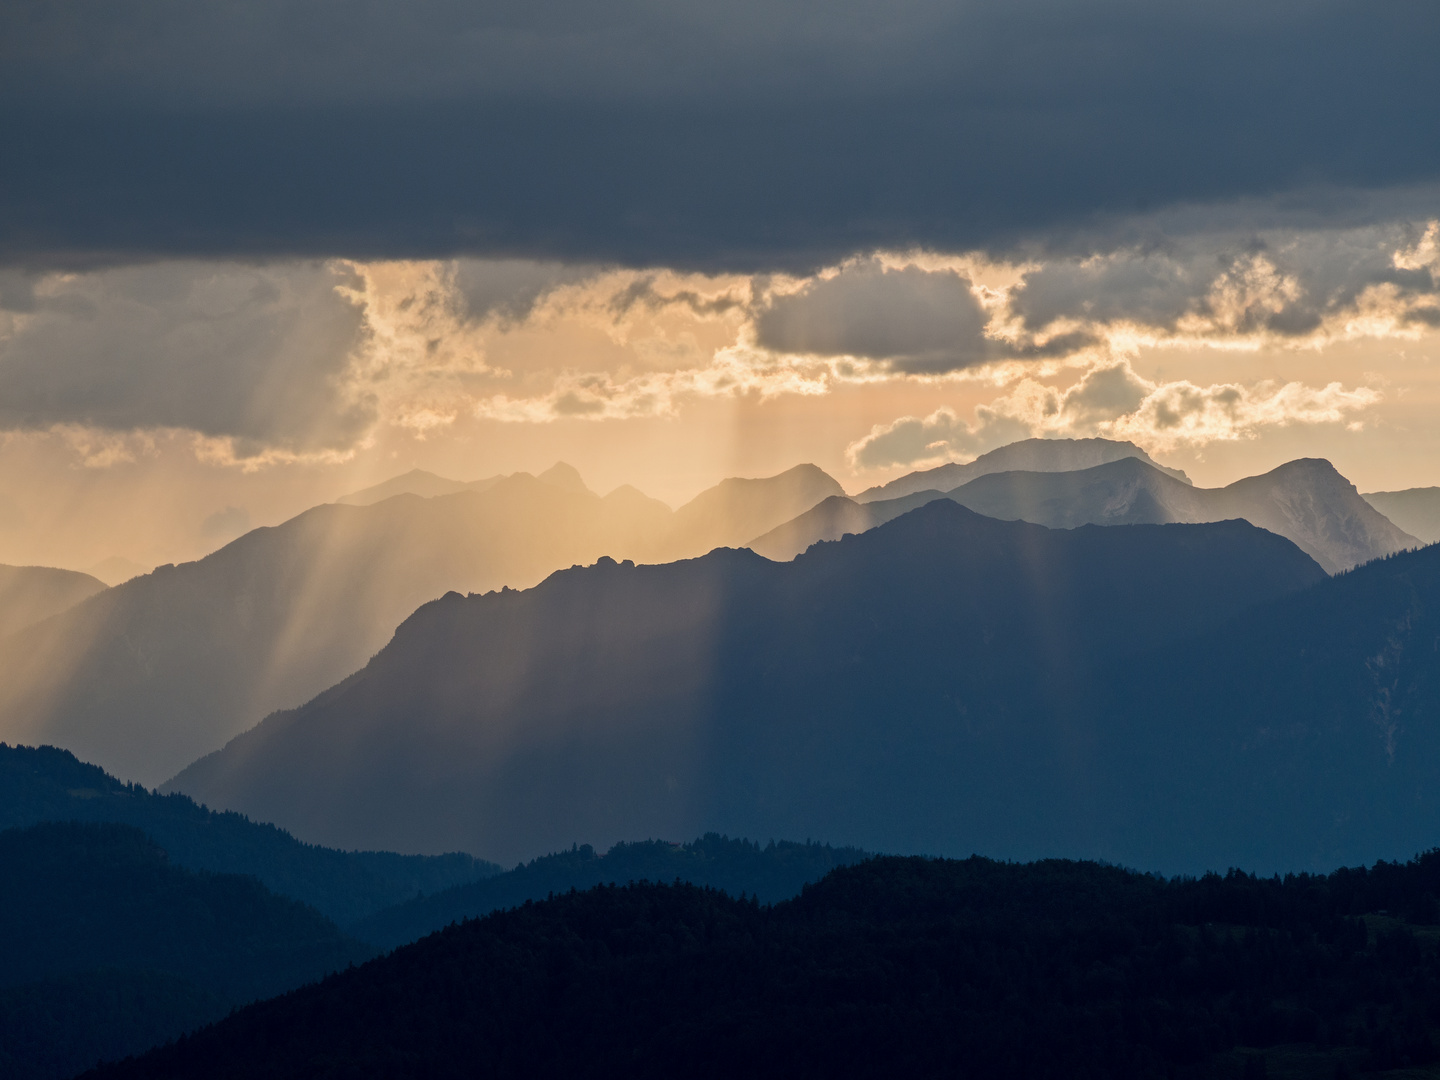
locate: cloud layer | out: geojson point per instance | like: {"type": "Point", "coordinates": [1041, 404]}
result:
{"type": "Point", "coordinates": [734, 135]}
{"type": "Point", "coordinates": [281, 360]}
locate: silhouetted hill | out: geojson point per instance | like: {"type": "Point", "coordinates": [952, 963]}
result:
{"type": "Point", "coordinates": [1027, 455]}
{"type": "Point", "coordinates": [770, 873]}
{"type": "Point", "coordinates": [736, 509]}
{"type": "Point", "coordinates": [1416, 510]}
{"type": "Point", "coordinates": [906, 689]}
{"type": "Point", "coordinates": [31, 593]}
{"type": "Point", "coordinates": [1306, 501]}
{"type": "Point", "coordinates": [894, 967]}
{"type": "Point", "coordinates": [45, 784]}
{"type": "Point", "coordinates": [113, 949]}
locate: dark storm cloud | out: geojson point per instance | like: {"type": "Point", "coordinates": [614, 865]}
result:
{"type": "Point", "coordinates": [921, 321]}
{"type": "Point", "coordinates": [1282, 283]}
{"type": "Point", "coordinates": [737, 134]}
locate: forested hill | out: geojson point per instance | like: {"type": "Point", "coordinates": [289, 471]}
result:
{"type": "Point", "coordinates": [894, 967]}
{"type": "Point", "coordinates": [47, 784]}
{"type": "Point", "coordinates": [107, 949]}
{"type": "Point", "coordinates": [776, 871]}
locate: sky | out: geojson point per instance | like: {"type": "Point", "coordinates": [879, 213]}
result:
{"type": "Point", "coordinates": [256, 255]}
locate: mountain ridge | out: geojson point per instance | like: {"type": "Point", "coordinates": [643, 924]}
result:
{"type": "Point", "coordinates": [621, 700]}
{"type": "Point", "coordinates": [1305, 500]}
{"type": "Point", "coordinates": [145, 677]}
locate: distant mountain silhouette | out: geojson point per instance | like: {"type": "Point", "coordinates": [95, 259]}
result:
{"type": "Point", "coordinates": [770, 873]}
{"type": "Point", "coordinates": [39, 784]}
{"type": "Point", "coordinates": [906, 689]}
{"type": "Point", "coordinates": [1416, 510]}
{"type": "Point", "coordinates": [1027, 455]}
{"type": "Point", "coordinates": [113, 949]}
{"type": "Point", "coordinates": [735, 510]}
{"type": "Point", "coordinates": [415, 482]}
{"type": "Point", "coordinates": [31, 593]}
{"type": "Point", "coordinates": [427, 485]}
{"type": "Point", "coordinates": [1305, 500]}
{"type": "Point", "coordinates": [895, 967]}
{"type": "Point", "coordinates": [146, 677]}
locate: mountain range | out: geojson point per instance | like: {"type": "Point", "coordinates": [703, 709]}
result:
{"type": "Point", "coordinates": [147, 676]}
{"type": "Point", "coordinates": [906, 689]}
{"type": "Point", "coordinates": [1305, 500]}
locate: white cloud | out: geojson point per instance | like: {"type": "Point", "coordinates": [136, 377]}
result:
{"type": "Point", "coordinates": [1111, 400]}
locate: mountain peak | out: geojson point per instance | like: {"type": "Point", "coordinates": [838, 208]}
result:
{"type": "Point", "coordinates": [1027, 455]}
{"type": "Point", "coordinates": [564, 476]}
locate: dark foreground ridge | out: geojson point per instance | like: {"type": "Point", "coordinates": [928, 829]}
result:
{"type": "Point", "coordinates": [894, 967]}
{"type": "Point", "coordinates": [106, 949]}
{"type": "Point", "coordinates": [776, 871]}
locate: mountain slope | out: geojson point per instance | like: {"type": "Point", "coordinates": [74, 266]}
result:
{"type": "Point", "coordinates": [1027, 455]}
{"type": "Point", "coordinates": [31, 593]}
{"type": "Point", "coordinates": [1416, 510]}
{"type": "Point", "coordinates": [1303, 735]}
{"type": "Point", "coordinates": [101, 933]}
{"type": "Point", "coordinates": [45, 784]}
{"type": "Point", "coordinates": [144, 678]}
{"type": "Point", "coordinates": [1306, 501]}
{"type": "Point", "coordinates": [147, 676]}
{"type": "Point", "coordinates": [895, 967]}
{"type": "Point", "coordinates": [736, 509]}
{"type": "Point", "coordinates": [880, 691]}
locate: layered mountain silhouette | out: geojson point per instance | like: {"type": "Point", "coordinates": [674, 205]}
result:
{"type": "Point", "coordinates": [911, 688]}
{"type": "Point", "coordinates": [1306, 500]}
{"type": "Point", "coordinates": [1027, 455]}
{"type": "Point", "coordinates": [106, 949]}
{"type": "Point", "coordinates": [31, 593]}
{"type": "Point", "coordinates": [147, 676]}
{"type": "Point", "coordinates": [1416, 510]}
{"type": "Point", "coordinates": [39, 784]}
